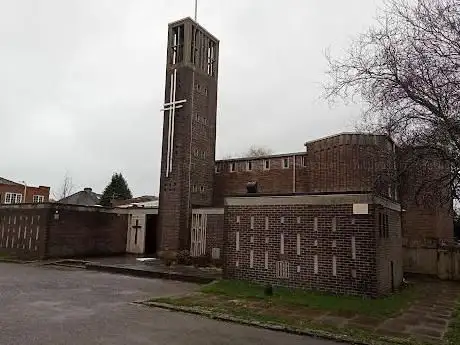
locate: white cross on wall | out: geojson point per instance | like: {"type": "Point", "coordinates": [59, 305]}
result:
{"type": "Point", "coordinates": [171, 107]}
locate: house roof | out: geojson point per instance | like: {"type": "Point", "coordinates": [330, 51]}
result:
{"type": "Point", "coordinates": [8, 182]}
{"type": "Point", "coordinates": [85, 197]}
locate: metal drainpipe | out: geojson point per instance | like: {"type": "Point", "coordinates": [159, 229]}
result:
{"type": "Point", "coordinates": [293, 176]}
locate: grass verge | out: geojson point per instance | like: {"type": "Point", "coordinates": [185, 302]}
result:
{"type": "Point", "coordinates": [453, 335]}
{"type": "Point", "coordinates": [300, 310]}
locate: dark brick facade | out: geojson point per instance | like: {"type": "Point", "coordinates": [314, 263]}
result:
{"type": "Point", "coordinates": [57, 231]}
{"type": "Point", "coordinates": [325, 243]}
{"type": "Point", "coordinates": [340, 163]}
{"type": "Point", "coordinates": [189, 183]}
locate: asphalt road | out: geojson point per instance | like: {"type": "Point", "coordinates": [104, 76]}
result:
{"type": "Point", "coordinates": [48, 306]}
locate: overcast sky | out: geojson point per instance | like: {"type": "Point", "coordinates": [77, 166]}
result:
{"type": "Point", "coordinates": [82, 82]}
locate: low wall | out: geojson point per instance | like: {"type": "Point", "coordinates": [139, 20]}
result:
{"type": "Point", "coordinates": [443, 262]}
{"type": "Point", "coordinates": [23, 232]}
{"type": "Point", "coordinates": [39, 231]}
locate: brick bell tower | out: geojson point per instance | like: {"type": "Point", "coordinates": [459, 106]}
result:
{"type": "Point", "coordinates": [189, 130]}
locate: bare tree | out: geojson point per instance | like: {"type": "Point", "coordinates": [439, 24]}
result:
{"type": "Point", "coordinates": [258, 151]}
{"type": "Point", "coordinates": [406, 69]}
{"type": "Point", "coordinates": [66, 188]}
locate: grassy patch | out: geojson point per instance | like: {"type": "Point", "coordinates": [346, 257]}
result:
{"type": "Point", "coordinates": [383, 307]}
{"type": "Point", "coordinates": [299, 309]}
{"type": "Point", "coordinates": [453, 335]}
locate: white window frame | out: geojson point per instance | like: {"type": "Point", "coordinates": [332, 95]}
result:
{"type": "Point", "coordinates": [13, 198]}
{"type": "Point", "coordinates": [304, 161]}
{"type": "Point", "coordinates": [37, 199]}
{"type": "Point", "coordinates": [267, 162]}
{"type": "Point", "coordinates": [249, 166]}
{"type": "Point", "coordinates": [232, 167]}
{"type": "Point", "coordinates": [284, 163]}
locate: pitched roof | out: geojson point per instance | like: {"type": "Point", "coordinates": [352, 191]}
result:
{"type": "Point", "coordinates": [83, 198]}
{"type": "Point", "coordinates": [8, 182]}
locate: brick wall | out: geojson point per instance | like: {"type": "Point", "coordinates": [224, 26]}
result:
{"type": "Point", "coordinates": [85, 231]}
{"type": "Point", "coordinates": [23, 232]}
{"type": "Point", "coordinates": [52, 230]}
{"type": "Point", "coordinates": [293, 218]}
{"type": "Point", "coordinates": [19, 189]}
{"type": "Point", "coordinates": [341, 163]}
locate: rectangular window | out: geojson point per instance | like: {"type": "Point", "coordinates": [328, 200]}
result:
{"type": "Point", "coordinates": [217, 168]}
{"type": "Point", "coordinates": [267, 164]}
{"type": "Point", "coordinates": [315, 264]}
{"type": "Point", "coordinates": [232, 167]}
{"type": "Point", "coordinates": [13, 198]}
{"type": "Point", "coordinates": [238, 218]}
{"type": "Point", "coordinates": [194, 188]}
{"type": "Point", "coordinates": [202, 189]}
{"type": "Point", "coordinates": [266, 223]}
{"type": "Point", "coordinates": [315, 224]}
{"type": "Point", "coordinates": [38, 198]}
{"type": "Point", "coordinates": [282, 220]}
{"type": "Point", "coordinates": [237, 240]}
{"type": "Point", "coordinates": [298, 244]}
{"type": "Point", "coordinates": [266, 260]}
{"type": "Point", "coordinates": [282, 244]}
{"type": "Point", "coordinates": [249, 166]}
{"type": "Point", "coordinates": [285, 163]}
{"type": "Point", "coordinates": [304, 161]}
{"type": "Point", "coordinates": [252, 222]}
{"type": "Point", "coordinates": [334, 224]}
{"type": "Point", "coordinates": [384, 227]}
{"type": "Point", "coordinates": [251, 259]}
{"type": "Point", "coordinates": [334, 266]}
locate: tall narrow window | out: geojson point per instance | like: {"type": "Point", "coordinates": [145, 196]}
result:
{"type": "Point", "coordinates": [237, 240]}
{"type": "Point", "coordinates": [282, 244]}
{"type": "Point", "coordinates": [249, 166]}
{"type": "Point", "coordinates": [334, 224]}
{"type": "Point", "coordinates": [285, 163]}
{"type": "Point", "coordinates": [252, 222]}
{"type": "Point", "coordinates": [266, 223]}
{"type": "Point", "coordinates": [298, 244]}
{"type": "Point", "coordinates": [232, 167]}
{"type": "Point", "coordinates": [315, 264]}
{"type": "Point", "coordinates": [334, 266]}
{"type": "Point", "coordinates": [315, 224]}
{"type": "Point", "coordinates": [267, 164]}
{"type": "Point", "coordinates": [251, 258]}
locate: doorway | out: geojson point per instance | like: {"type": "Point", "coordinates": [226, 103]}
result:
{"type": "Point", "coordinates": [151, 234]}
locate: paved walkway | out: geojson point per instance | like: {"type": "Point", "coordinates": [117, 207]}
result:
{"type": "Point", "coordinates": [427, 319]}
{"type": "Point", "coordinates": [145, 267]}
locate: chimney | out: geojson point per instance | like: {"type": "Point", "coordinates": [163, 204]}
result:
{"type": "Point", "coordinates": [88, 190]}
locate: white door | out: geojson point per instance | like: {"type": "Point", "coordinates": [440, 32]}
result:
{"type": "Point", "coordinates": [136, 234]}
{"type": "Point", "coordinates": [198, 235]}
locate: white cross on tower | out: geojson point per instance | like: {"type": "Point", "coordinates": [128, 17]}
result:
{"type": "Point", "coordinates": [171, 107]}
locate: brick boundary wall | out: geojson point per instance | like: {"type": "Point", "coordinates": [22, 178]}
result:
{"type": "Point", "coordinates": [39, 231]}
{"type": "Point", "coordinates": [292, 219]}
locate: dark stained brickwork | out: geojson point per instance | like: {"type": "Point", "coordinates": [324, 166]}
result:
{"type": "Point", "coordinates": [359, 276]}
{"type": "Point", "coordinates": [190, 183]}
{"type": "Point", "coordinates": [57, 231]}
